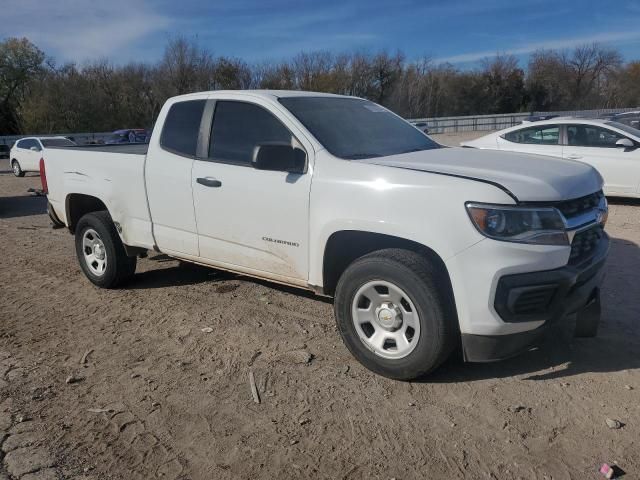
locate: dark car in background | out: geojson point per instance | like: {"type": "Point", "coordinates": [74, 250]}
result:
{"type": "Point", "coordinates": [631, 119]}
{"type": "Point", "coordinates": [4, 151]}
{"type": "Point", "coordinates": [128, 135]}
{"type": "Point", "coordinates": [538, 118]}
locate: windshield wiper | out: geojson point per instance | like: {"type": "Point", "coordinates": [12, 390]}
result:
{"type": "Point", "coordinates": [413, 150]}
{"type": "Point", "coordinates": [357, 156]}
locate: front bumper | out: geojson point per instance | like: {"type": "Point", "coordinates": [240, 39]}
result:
{"type": "Point", "coordinates": [549, 296]}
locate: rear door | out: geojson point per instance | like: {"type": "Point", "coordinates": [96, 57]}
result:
{"type": "Point", "coordinates": [538, 139]}
{"type": "Point", "coordinates": [168, 178]}
{"type": "Point", "coordinates": [249, 219]}
{"type": "Point", "coordinates": [596, 146]}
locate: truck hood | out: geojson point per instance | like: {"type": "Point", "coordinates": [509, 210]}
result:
{"type": "Point", "coordinates": [527, 178]}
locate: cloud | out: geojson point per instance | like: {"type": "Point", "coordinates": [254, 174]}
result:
{"type": "Point", "coordinates": [78, 30]}
{"type": "Point", "coordinates": [557, 44]}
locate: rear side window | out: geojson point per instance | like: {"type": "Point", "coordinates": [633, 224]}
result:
{"type": "Point", "coordinates": [535, 135]}
{"type": "Point", "coordinates": [238, 127]}
{"type": "Point", "coordinates": [182, 126]}
{"type": "Point", "coordinates": [57, 142]}
{"type": "Point", "coordinates": [28, 143]}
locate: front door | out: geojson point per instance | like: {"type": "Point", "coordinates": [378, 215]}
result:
{"type": "Point", "coordinates": [249, 219]}
{"type": "Point", "coordinates": [596, 146]}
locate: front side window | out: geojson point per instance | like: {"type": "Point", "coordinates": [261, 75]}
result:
{"type": "Point", "coordinates": [238, 127]}
{"type": "Point", "coordinates": [535, 135]}
{"type": "Point", "coordinates": [592, 136]}
{"type": "Point", "coordinates": [182, 127]}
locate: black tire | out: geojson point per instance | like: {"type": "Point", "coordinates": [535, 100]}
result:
{"type": "Point", "coordinates": [119, 266]}
{"type": "Point", "coordinates": [17, 169]}
{"type": "Point", "coordinates": [429, 290]}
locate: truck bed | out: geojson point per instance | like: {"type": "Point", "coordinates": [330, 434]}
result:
{"type": "Point", "coordinates": [130, 148]}
{"type": "Point", "coordinates": [112, 173]}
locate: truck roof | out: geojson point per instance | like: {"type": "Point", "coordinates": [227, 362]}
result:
{"type": "Point", "coordinates": [264, 93]}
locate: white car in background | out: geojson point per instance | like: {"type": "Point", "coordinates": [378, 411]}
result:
{"type": "Point", "coordinates": [25, 155]}
{"type": "Point", "coordinates": [611, 147]}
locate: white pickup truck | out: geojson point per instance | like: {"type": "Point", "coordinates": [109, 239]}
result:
{"type": "Point", "coordinates": [424, 248]}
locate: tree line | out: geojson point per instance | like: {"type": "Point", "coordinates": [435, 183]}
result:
{"type": "Point", "coordinates": [39, 96]}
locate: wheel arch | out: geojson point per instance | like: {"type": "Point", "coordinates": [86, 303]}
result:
{"type": "Point", "coordinates": [345, 246]}
{"type": "Point", "coordinates": [79, 204]}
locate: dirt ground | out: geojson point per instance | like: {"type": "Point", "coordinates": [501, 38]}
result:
{"type": "Point", "coordinates": [158, 397]}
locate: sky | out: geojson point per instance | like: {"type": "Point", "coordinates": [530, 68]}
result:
{"type": "Point", "coordinates": [462, 32]}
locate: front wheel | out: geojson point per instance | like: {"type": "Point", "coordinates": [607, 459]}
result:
{"type": "Point", "coordinates": [17, 169]}
{"type": "Point", "coordinates": [100, 251]}
{"type": "Point", "coordinates": [395, 313]}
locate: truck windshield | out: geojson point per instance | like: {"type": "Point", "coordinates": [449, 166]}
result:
{"type": "Point", "coordinates": [353, 128]}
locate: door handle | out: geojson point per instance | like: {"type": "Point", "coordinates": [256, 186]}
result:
{"type": "Point", "coordinates": [209, 182]}
{"type": "Point", "coordinates": [574, 156]}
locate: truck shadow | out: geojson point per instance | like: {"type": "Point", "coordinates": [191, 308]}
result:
{"type": "Point", "coordinates": [623, 201]}
{"type": "Point", "coordinates": [22, 206]}
{"type": "Point", "coordinates": [175, 276]}
{"type": "Point", "coordinates": [190, 273]}
{"type": "Point", "coordinates": [561, 355]}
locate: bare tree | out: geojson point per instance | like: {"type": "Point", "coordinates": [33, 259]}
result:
{"type": "Point", "coordinates": [38, 96]}
{"type": "Point", "coordinates": [587, 68]}
{"type": "Point", "coordinates": [186, 67]}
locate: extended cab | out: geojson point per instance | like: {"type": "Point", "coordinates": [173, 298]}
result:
{"type": "Point", "coordinates": [422, 247]}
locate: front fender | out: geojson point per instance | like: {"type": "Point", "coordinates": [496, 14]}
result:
{"type": "Point", "coordinates": [425, 208]}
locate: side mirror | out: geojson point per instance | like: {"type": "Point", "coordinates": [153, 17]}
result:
{"type": "Point", "coordinates": [625, 143]}
{"type": "Point", "coordinates": [34, 149]}
{"type": "Point", "coordinates": [279, 157]}
{"type": "Point", "coordinates": [422, 126]}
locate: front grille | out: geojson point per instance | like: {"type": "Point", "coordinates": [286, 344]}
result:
{"type": "Point", "coordinates": [530, 300]}
{"type": "Point", "coordinates": [572, 208]}
{"type": "Point", "coordinates": [584, 243]}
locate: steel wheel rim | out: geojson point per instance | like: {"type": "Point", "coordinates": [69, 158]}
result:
{"type": "Point", "coordinates": [95, 254]}
{"type": "Point", "coordinates": [385, 319]}
{"type": "Point", "coordinates": [16, 168]}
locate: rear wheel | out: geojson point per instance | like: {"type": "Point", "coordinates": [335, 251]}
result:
{"type": "Point", "coordinates": [17, 169]}
{"type": "Point", "coordinates": [395, 313]}
{"type": "Point", "coordinates": [100, 251]}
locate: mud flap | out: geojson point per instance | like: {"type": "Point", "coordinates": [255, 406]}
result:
{"type": "Point", "coordinates": [55, 221]}
{"type": "Point", "coordinates": [588, 319]}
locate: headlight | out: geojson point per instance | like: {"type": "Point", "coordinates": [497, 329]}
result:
{"type": "Point", "coordinates": [543, 226]}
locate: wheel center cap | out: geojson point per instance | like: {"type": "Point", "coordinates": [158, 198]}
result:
{"type": "Point", "coordinates": [98, 251]}
{"type": "Point", "coordinates": [389, 316]}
